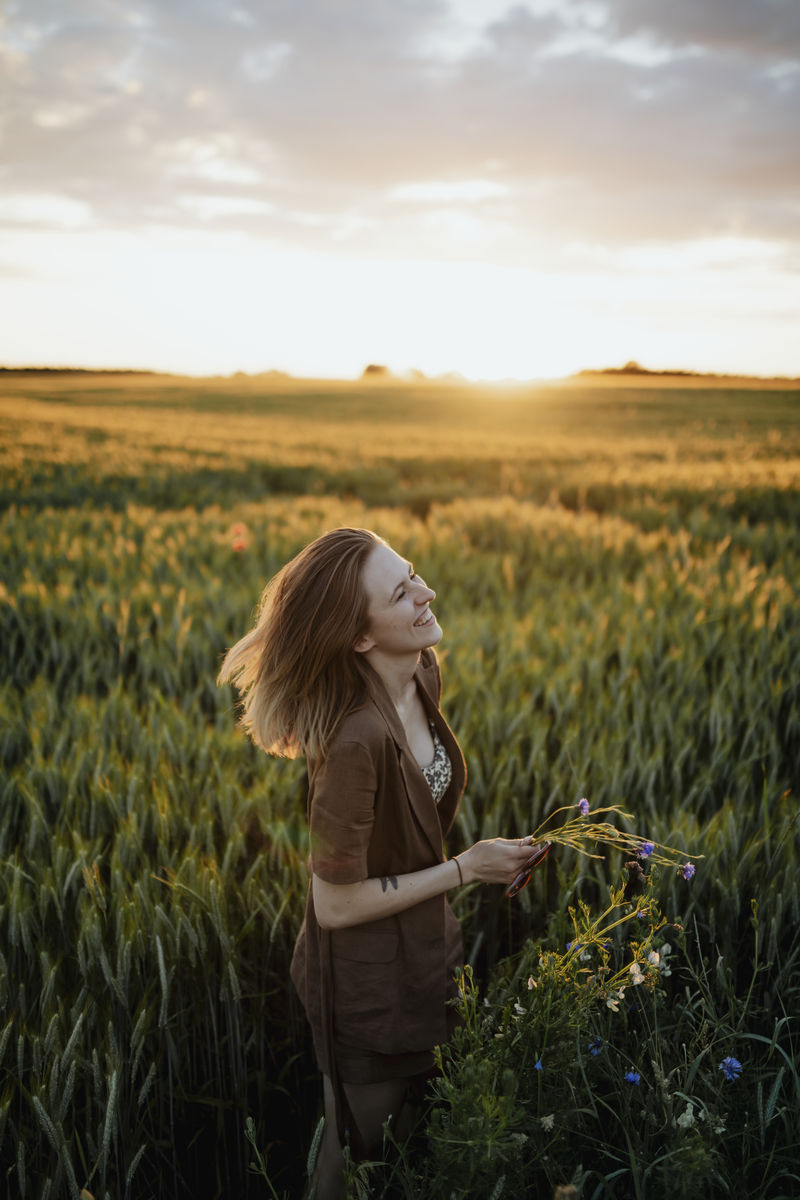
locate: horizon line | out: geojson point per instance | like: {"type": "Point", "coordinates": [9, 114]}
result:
{"type": "Point", "coordinates": [378, 373]}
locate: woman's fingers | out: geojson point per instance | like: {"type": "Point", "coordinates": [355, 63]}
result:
{"type": "Point", "coordinates": [500, 860]}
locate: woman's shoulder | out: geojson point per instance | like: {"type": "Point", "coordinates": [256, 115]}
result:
{"type": "Point", "coordinates": [359, 745]}
{"type": "Point", "coordinates": [363, 725]}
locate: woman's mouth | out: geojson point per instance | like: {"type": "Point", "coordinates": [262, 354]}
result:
{"type": "Point", "coordinates": [427, 618]}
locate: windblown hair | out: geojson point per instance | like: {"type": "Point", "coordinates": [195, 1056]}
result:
{"type": "Point", "coordinates": [296, 669]}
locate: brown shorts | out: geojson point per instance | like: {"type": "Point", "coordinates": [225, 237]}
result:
{"type": "Point", "coordinates": [356, 1065]}
{"type": "Point", "coordinates": [367, 1066]}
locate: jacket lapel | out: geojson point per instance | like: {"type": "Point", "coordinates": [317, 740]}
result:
{"type": "Point", "coordinates": [417, 790]}
{"type": "Point", "coordinates": [446, 808]}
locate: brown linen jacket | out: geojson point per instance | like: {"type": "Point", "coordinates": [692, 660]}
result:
{"type": "Point", "coordinates": [382, 985]}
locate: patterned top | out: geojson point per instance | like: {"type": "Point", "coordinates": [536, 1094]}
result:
{"type": "Point", "coordinates": [440, 771]}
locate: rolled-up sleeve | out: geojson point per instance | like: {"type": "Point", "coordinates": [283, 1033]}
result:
{"type": "Point", "coordinates": [342, 813]}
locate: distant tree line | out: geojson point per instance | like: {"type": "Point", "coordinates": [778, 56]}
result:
{"type": "Point", "coordinates": [72, 371]}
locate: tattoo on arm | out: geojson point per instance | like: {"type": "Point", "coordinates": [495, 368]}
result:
{"type": "Point", "coordinates": [388, 879]}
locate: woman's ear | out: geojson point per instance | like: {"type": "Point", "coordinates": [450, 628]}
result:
{"type": "Point", "coordinates": [364, 643]}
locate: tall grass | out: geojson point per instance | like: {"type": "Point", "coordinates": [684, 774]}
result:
{"type": "Point", "coordinates": [621, 621]}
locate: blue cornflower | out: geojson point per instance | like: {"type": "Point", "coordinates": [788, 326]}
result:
{"type": "Point", "coordinates": [731, 1068]}
{"type": "Point", "coordinates": [537, 1066]}
{"type": "Point", "coordinates": [583, 805]}
{"type": "Point", "coordinates": [687, 870]}
{"type": "Point", "coordinates": [632, 1077]}
{"type": "Point", "coordinates": [645, 850]}
{"type": "Point", "coordinates": [595, 1046]}
{"type": "Point", "coordinates": [573, 945]}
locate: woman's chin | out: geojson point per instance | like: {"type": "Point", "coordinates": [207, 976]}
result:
{"type": "Point", "coordinates": [434, 636]}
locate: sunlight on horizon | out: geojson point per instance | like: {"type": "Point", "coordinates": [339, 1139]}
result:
{"type": "Point", "coordinates": [214, 303]}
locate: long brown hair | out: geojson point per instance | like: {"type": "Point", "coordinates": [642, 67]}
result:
{"type": "Point", "coordinates": [296, 669]}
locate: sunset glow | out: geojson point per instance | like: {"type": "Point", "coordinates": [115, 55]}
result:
{"type": "Point", "coordinates": [500, 190]}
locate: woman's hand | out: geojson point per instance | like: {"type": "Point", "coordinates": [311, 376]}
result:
{"type": "Point", "coordinates": [498, 860]}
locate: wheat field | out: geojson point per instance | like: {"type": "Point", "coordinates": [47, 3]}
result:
{"type": "Point", "coordinates": [616, 570]}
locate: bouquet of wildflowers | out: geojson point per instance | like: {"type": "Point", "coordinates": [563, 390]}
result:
{"type": "Point", "coordinates": [578, 833]}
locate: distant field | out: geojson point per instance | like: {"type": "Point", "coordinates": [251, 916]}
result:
{"type": "Point", "coordinates": [617, 573]}
{"type": "Point", "coordinates": [194, 440]}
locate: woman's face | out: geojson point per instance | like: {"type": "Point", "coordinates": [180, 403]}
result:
{"type": "Point", "coordinates": [400, 621]}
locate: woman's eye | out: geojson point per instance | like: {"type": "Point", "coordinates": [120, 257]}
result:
{"type": "Point", "coordinates": [412, 574]}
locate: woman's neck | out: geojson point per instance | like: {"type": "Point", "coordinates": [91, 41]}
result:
{"type": "Point", "coordinates": [397, 676]}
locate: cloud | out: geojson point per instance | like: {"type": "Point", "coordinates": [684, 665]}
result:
{"type": "Point", "coordinates": [392, 126]}
{"type": "Point", "coordinates": [753, 28]}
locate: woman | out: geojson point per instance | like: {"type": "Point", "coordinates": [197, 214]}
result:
{"type": "Point", "coordinates": [341, 668]}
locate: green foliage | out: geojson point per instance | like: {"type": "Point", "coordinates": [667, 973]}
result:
{"type": "Point", "coordinates": [616, 574]}
{"type": "Point", "coordinates": [579, 1067]}
{"type": "Point", "coordinates": [601, 1065]}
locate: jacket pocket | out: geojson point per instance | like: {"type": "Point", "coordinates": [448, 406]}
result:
{"type": "Point", "coordinates": [367, 978]}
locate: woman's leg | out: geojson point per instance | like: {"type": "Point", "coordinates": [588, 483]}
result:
{"type": "Point", "coordinates": [327, 1178]}
{"type": "Point", "coordinates": [371, 1105]}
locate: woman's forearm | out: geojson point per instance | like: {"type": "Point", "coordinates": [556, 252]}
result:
{"type": "Point", "coordinates": [340, 905]}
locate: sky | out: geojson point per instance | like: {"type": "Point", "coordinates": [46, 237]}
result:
{"type": "Point", "coordinates": [505, 190]}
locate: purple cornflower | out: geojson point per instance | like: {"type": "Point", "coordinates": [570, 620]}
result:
{"type": "Point", "coordinates": [645, 850]}
{"type": "Point", "coordinates": [595, 1047]}
{"type": "Point", "coordinates": [687, 870]}
{"type": "Point", "coordinates": [583, 805]}
{"type": "Point", "coordinates": [731, 1068]}
{"type": "Point", "coordinates": [632, 1077]}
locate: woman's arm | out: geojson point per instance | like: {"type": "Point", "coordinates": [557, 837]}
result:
{"type": "Point", "coordinates": [340, 905]}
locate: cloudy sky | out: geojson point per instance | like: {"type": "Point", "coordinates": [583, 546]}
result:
{"type": "Point", "coordinates": [506, 190]}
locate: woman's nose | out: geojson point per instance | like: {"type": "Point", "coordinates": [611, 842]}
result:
{"type": "Point", "coordinates": [426, 595]}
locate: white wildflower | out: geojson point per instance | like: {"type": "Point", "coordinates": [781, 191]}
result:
{"type": "Point", "coordinates": [531, 983]}
{"type": "Point", "coordinates": [519, 1009]}
{"type": "Point", "coordinates": [547, 1122]}
{"type": "Point", "coordinates": [686, 1119]}
{"type": "Point", "coordinates": [613, 1001]}
{"type": "Point", "coordinates": [636, 974]}
{"type": "Point", "coordinates": [654, 958]}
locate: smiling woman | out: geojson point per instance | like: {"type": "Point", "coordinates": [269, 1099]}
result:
{"type": "Point", "coordinates": [340, 667]}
